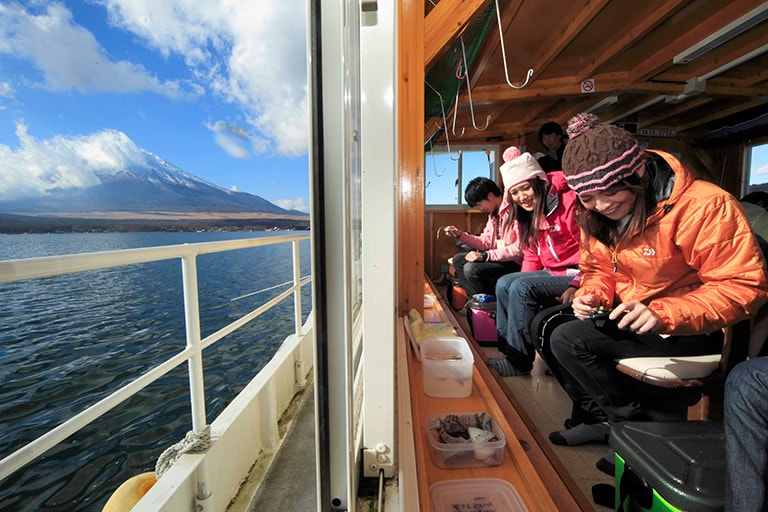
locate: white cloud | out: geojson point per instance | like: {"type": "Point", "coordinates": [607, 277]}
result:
{"type": "Point", "coordinates": [6, 90]}
{"type": "Point", "coordinates": [234, 140]}
{"type": "Point", "coordinates": [69, 57]}
{"type": "Point", "coordinates": [760, 171]}
{"type": "Point", "coordinates": [297, 203]}
{"type": "Point", "coordinates": [250, 52]}
{"type": "Point", "coordinates": [37, 167]}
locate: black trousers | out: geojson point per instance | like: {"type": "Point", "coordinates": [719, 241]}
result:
{"type": "Point", "coordinates": [586, 359]}
{"type": "Point", "coordinates": [481, 276]}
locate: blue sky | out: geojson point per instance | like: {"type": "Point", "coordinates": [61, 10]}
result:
{"type": "Point", "coordinates": [759, 166]}
{"type": "Point", "coordinates": [215, 87]}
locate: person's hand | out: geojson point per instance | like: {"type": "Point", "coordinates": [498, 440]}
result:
{"type": "Point", "coordinates": [452, 231]}
{"type": "Point", "coordinates": [473, 256]}
{"type": "Point", "coordinates": [636, 317]}
{"type": "Point", "coordinates": [567, 295]}
{"type": "Point", "coordinates": [585, 305]}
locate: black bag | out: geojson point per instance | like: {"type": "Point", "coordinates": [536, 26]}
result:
{"type": "Point", "coordinates": [542, 326]}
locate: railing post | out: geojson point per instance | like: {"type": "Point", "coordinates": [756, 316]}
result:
{"type": "Point", "coordinates": [297, 284]}
{"type": "Point", "coordinates": [195, 365]}
{"type": "Point", "coordinates": [298, 362]}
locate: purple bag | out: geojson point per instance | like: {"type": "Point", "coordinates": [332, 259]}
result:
{"type": "Point", "coordinates": [481, 317]}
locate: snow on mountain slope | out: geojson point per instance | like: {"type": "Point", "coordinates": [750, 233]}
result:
{"type": "Point", "coordinates": [144, 182]}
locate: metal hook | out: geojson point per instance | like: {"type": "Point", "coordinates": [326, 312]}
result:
{"type": "Point", "coordinates": [504, 54]}
{"type": "Point", "coordinates": [442, 106]}
{"type": "Point", "coordinates": [469, 92]}
{"type": "Point", "coordinates": [432, 153]}
{"type": "Point", "coordinates": [434, 163]}
{"type": "Point", "coordinates": [455, 110]}
{"type": "Point", "coordinates": [445, 124]}
{"type": "Point", "coordinates": [459, 74]}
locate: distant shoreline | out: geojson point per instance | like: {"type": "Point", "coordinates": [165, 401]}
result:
{"type": "Point", "coordinates": [101, 222]}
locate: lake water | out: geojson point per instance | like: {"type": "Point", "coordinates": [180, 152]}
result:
{"type": "Point", "coordinates": [66, 342]}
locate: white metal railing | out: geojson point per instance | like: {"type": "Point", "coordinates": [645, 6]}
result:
{"type": "Point", "coordinates": [35, 268]}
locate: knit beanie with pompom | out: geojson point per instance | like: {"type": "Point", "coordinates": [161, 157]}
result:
{"type": "Point", "coordinates": [520, 167]}
{"type": "Point", "coordinates": [598, 156]}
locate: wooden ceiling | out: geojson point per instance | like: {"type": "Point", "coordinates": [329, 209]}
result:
{"type": "Point", "coordinates": [584, 52]}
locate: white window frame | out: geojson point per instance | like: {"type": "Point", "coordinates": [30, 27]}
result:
{"type": "Point", "coordinates": [433, 170]}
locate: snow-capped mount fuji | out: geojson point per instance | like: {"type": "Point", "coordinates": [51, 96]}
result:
{"type": "Point", "coordinates": [146, 184]}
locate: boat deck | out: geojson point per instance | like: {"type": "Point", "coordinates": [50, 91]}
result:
{"type": "Point", "coordinates": [290, 481]}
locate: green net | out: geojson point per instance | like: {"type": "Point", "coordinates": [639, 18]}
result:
{"type": "Point", "coordinates": [447, 74]}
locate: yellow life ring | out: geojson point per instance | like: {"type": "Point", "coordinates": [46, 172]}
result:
{"type": "Point", "coordinates": [130, 492]}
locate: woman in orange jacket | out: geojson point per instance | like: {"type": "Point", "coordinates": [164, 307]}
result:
{"type": "Point", "coordinates": [672, 258]}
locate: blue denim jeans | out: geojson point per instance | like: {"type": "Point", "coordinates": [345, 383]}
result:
{"type": "Point", "coordinates": [519, 297]}
{"type": "Point", "coordinates": [745, 416]}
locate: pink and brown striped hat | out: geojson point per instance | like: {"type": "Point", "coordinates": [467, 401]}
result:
{"type": "Point", "coordinates": [598, 156]}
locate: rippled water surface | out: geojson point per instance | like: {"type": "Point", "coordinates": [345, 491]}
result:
{"type": "Point", "coordinates": [66, 342]}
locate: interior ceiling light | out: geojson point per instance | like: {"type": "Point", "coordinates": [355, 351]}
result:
{"type": "Point", "coordinates": [728, 32]}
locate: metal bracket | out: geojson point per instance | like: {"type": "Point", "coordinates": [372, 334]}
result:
{"type": "Point", "coordinates": [374, 460]}
{"type": "Point", "coordinates": [694, 86]}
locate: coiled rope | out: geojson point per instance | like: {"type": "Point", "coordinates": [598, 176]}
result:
{"type": "Point", "coordinates": [192, 443]}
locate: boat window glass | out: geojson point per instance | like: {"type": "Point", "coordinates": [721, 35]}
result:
{"type": "Point", "coordinates": [447, 173]}
{"type": "Point", "coordinates": [758, 167]}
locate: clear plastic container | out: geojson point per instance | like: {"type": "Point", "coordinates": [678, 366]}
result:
{"type": "Point", "coordinates": [475, 494]}
{"type": "Point", "coordinates": [476, 453]}
{"type": "Point", "coordinates": [446, 367]}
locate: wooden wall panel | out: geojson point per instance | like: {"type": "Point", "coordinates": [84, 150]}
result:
{"type": "Point", "coordinates": [410, 107]}
{"type": "Point", "coordinates": [439, 249]}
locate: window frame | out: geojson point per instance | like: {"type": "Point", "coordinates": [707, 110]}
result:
{"type": "Point", "coordinates": [746, 182]}
{"type": "Point", "coordinates": [442, 150]}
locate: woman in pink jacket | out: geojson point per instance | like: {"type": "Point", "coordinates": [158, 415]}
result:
{"type": "Point", "coordinates": [544, 209]}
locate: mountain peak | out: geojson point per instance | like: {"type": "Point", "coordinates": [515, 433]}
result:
{"type": "Point", "coordinates": [131, 179]}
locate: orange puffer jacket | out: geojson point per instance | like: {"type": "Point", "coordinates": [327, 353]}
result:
{"type": "Point", "coordinates": [696, 265]}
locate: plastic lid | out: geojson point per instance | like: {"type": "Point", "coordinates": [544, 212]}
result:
{"type": "Point", "coordinates": [478, 494]}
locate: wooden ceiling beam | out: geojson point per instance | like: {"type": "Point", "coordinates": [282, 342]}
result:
{"type": "Point", "coordinates": [535, 112]}
{"type": "Point", "coordinates": [756, 78]}
{"type": "Point", "coordinates": [444, 23]}
{"type": "Point", "coordinates": [646, 81]}
{"type": "Point", "coordinates": [757, 40]}
{"type": "Point", "coordinates": [568, 87]}
{"type": "Point", "coordinates": [580, 105]}
{"type": "Point", "coordinates": [643, 26]}
{"type": "Point", "coordinates": [510, 129]}
{"type": "Point", "coordinates": [584, 15]}
{"type": "Point", "coordinates": [716, 89]}
{"type": "Point", "coordinates": [671, 112]}
{"type": "Point", "coordinates": [720, 114]}
{"type": "Point", "coordinates": [721, 15]}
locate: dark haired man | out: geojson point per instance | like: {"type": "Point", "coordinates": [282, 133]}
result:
{"type": "Point", "coordinates": [551, 136]}
{"type": "Point", "coordinates": [496, 251]}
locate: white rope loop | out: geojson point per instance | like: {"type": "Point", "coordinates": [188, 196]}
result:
{"type": "Point", "coordinates": [192, 443]}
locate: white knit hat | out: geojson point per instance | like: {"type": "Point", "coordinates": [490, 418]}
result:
{"type": "Point", "coordinates": [520, 167]}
